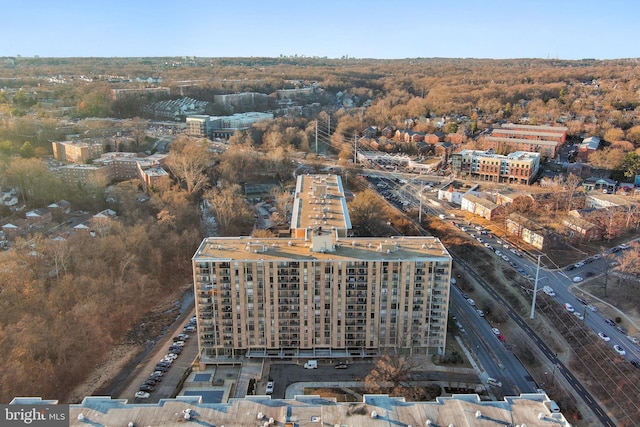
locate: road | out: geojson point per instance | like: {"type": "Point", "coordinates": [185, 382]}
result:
{"type": "Point", "coordinates": [497, 361]}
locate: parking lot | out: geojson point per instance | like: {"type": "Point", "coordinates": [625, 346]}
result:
{"type": "Point", "coordinates": [167, 387]}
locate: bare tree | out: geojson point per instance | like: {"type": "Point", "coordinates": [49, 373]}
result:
{"type": "Point", "coordinates": [391, 375]}
{"type": "Point", "coordinates": [188, 161]}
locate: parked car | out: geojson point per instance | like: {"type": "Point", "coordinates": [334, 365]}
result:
{"type": "Point", "coordinates": [610, 322]}
{"type": "Point", "coordinates": [480, 313]}
{"type": "Point", "coordinates": [341, 365]}
{"type": "Point", "coordinates": [269, 389]}
{"type": "Point", "coordinates": [578, 315]}
{"type": "Point", "coordinates": [578, 279]}
{"type": "Point", "coordinates": [142, 395]}
{"type": "Point", "coordinates": [604, 336]}
{"type": "Point", "coordinates": [568, 307]}
{"type": "Point", "coordinates": [636, 363]}
{"type": "Point", "coordinates": [471, 302]}
{"type": "Point", "coordinates": [496, 331]}
{"type": "Point", "coordinates": [146, 387]}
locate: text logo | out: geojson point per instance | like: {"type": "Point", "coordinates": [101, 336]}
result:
{"type": "Point", "coordinates": [34, 415]}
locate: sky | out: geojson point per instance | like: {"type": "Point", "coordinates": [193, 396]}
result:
{"type": "Point", "coordinates": [392, 29]}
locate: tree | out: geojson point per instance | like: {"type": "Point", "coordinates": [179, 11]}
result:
{"type": "Point", "coordinates": [366, 212]}
{"type": "Point", "coordinates": [633, 135]}
{"type": "Point", "coordinates": [229, 209]}
{"type": "Point", "coordinates": [188, 161]}
{"type": "Point", "coordinates": [27, 150]}
{"type": "Point", "coordinates": [631, 165]}
{"type": "Point", "coordinates": [391, 375]}
{"type": "Point", "coordinates": [614, 134]}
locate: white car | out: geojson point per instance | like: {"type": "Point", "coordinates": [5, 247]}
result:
{"type": "Point", "coordinates": [269, 389]}
{"type": "Point", "coordinates": [471, 302]}
{"type": "Point", "coordinates": [633, 339]}
{"type": "Point", "coordinates": [619, 350]}
{"type": "Point", "coordinates": [578, 315]}
{"type": "Point", "coordinates": [496, 331]}
{"type": "Point", "coordinates": [142, 395]}
{"type": "Point", "coordinates": [578, 264]}
{"type": "Point", "coordinates": [480, 313]}
{"type": "Point", "coordinates": [577, 279]}
{"type": "Point", "coordinates": [494, 382]}
{"type": "Point", "coordinates": [568, 307]}
{"type": "Point", "coordinates": [604, 337]}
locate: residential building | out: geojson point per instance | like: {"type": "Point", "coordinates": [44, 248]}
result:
{"type": "Point", "coordinates": [530, 138]}
{"type": "Point", "coordinates": [533, 409]}
{"type": "Point", "coordinates": [319, 201]}
{"type": "Point", "coordinates": [76, 151]}
{"type": "Point", "coordinates": [84, 174]}
{"type": "Point", "coordinates": [453, 191]}
{"type": "Point", "coordinates": [199, 125]}
{"type": "Point", "coordinates": [599, 200]}
{"type": "Point", "coordinates": [531, 232]}
{"type": "Point", "coordinates": [581, 228]}
{"type": "Point", "coordinates": [478, 206]}
{"type": "Point", "coordinates": [38, 217]}
{"type": "Point", "coordinates": [518, 168]}
{"type": "Point", "coordinates": [588, 146]}
{"type": "Point", "coordinates": [320, 296]}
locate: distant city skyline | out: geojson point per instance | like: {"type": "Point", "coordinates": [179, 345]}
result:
{"type": "Point", "coordinates": [499, 29]}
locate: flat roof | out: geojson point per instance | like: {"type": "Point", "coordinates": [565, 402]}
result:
{"type": "Point", "coordinates": [313, 410]}
{"type": "Point", "coordinates": [349, 249]}
{"type": "Point", "coordinates": [517, 131]}
{"type": "Point", "coordinates": [320, 202]}
{"type": "Point", "coordinates": [521, 140]}
{"type": "Point", "coordinates": [533, 127]}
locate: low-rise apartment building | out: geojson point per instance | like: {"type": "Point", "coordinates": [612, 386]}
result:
{"type": "Point", "coordinates": [320, 296]}
{"type": "Point", "coordinates": [76, 151]}
{"type": "Point", "coordinates": [518, 168]}
{"type": "Point", "coordinates": [532, 138]}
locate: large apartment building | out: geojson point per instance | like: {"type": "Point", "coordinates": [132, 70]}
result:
{"type": "Point", "coordinates": [533, 138]}
{"type": "Point", "coordinates": [320, 296]}
{"type": "Point", "coordinates": [519, 167]}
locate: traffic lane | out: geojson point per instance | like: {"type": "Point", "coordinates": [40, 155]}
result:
{"type": "Point", "coordinates": [503, 365]}
{"type": "Point", "coordinates": [476, 338]}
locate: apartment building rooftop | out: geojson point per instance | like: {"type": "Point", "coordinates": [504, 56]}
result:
{"type": "Point", "coordinates": [319, 202]}
{"type": "Point", "coordinates": [313, 410]}
{"type": "Point", "coordinates": [535, 127]}
{"type": "Point", "coordinates": [516, 155]}
{"type": "Point", "coordinates": [320, 247]}
{"type": "Point", "coordinates": [541, 142]}
{"type": "Point", "coordinates": [520, 131]}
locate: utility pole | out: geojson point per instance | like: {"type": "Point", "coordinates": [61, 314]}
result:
{"type": "Point", "coordinates": [535, 290]}
{"type": "Point", "coordinates": [355, 149]}
{"type": "Point", "coordinates": [316, 137]}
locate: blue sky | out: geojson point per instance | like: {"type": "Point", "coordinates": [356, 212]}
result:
{"type": "Point", "coordinates": [565, 29]}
